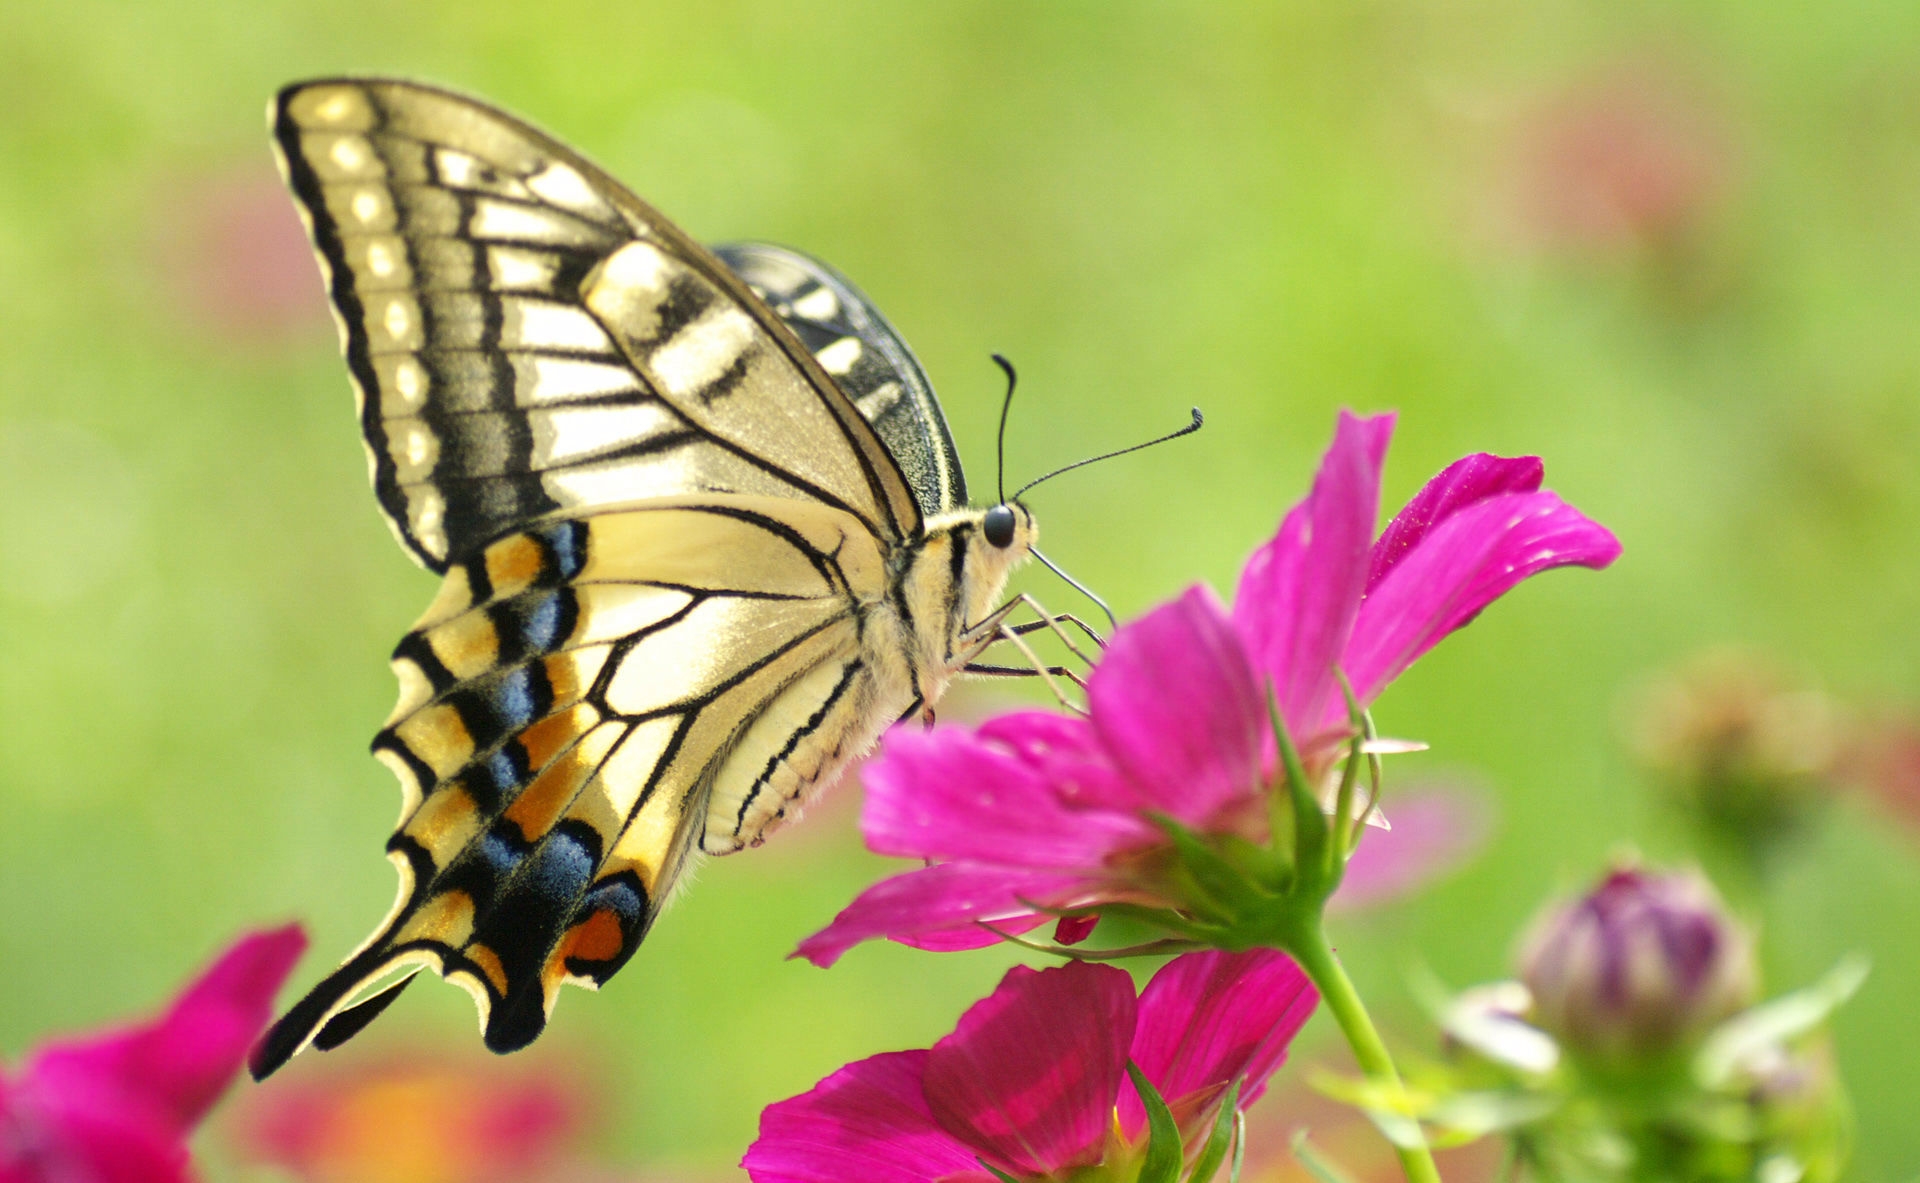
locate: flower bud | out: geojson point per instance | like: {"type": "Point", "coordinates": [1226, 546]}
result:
{"type": "Point", "coordinates": [1638, 968]}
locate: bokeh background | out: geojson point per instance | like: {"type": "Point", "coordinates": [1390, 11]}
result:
{"type": "Point", "coordinates": [1668, 247]}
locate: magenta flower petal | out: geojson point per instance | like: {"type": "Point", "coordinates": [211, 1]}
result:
{"type": "Point", "coordinates": [1467, 480]}
{"type": "Point", "coordinates": [177, 1066]}
{"type": "Point", "coordinates": [954, 794]}
{"type": "Point", "coordinates": [1299, 593]}
{"type": "Point", "coordinates": [1207, 1019]}
{"type": "Point", "coordinates": [1029, 1075]}
{"type": "Point", "coordinates": [1436, 828]}
{"type": "Point", "coordinates": [1068, 754]}
{"type": "Point", "coordinates": [936, 907]}
{"type": "Point", "coordinates": [1177, 702]}
{"type": "Point", "coordinates": [1465, 563]}
{"type": "Point", "coordinates": [868, 1121]}
{"type": "Point", "coordinates": [119, 1106]}
{"type": "Point", "coordinates": [70, 1138]}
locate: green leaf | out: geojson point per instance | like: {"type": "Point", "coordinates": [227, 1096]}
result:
{"type": "Point", "coordinates": [996, 1172]}
{"type": "Point", "coordinates": [1164, 1151]}
{"type": "Point", "coordinates": [1320, 1168]}
{"type": "Point", "coordinates": [1215, 1151]}
{"type": "Point", "coordinates": [1754, 1031]}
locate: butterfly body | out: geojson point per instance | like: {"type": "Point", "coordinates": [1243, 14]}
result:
{"type": "Point", "coordinates": [701, 532]}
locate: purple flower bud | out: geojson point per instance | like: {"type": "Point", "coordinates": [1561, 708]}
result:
{"type": "Point", "coordinates": [1638, 968]}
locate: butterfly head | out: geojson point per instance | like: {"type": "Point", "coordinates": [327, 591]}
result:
{"type": "Point", "coordinates": [1001, 538]}
{"type": "Point", "coordinates": [1002, 525]}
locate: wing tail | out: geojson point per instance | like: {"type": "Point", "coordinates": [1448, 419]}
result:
{"type": "Point", "coordinates": [327, 1017]}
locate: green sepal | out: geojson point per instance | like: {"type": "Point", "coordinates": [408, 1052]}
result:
{"type": "Point", "coordinates": [1270, 872]}
{"type": "Point", "coordinates": [996, 1172]}
{"type": "Point", "coordinates": [1226, 890]}
{"type": "Point", "coordinates": [1309, 822]}
{"type": "Point", "coordinates": [1169, 920]}
{"type": "Point", "coordinates": [1164, 1150]}
{"type": "Point", "coordinates": [1215, 1151]}
{"type": "Point", "coordinates": [1239, 1147]}
{"type": "Point", "coordinates": [1778, 1021]}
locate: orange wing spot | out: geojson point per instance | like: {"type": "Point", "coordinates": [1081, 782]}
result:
{"type": "Point", "coordinates": [552, 735]}
{"type": "Point", "coordinates": [541, 803]}
{"type": "Point", "coordinates": [489, 965]}
{"type": "Point", "coordinates": [446, 821]}
{"type": "Point", "coordinates": [467, 645]}
{"type": "Point", "coordinates": [571, 673]}
{"type": "Point", "coordinates": [438, 736]}
{"type": "Point", "coordinates": [597, 938]}
{"type": "Point", "coordinates": [513, 564]}
{"type": "Point", "coordinates": [446, 918]}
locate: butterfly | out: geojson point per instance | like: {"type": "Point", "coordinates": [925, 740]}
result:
{"type": "Point", "coordinates": [702, 532]}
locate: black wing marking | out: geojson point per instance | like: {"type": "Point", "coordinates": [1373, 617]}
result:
{"type": "Point", "coordinates": [868, 358]}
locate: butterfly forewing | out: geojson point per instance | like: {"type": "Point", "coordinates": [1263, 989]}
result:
{"type": "Point", "coordinates": [466, 254]}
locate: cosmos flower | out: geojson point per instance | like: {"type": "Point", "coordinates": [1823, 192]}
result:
{"type": "Point", "coordinates": [118, 1106]}
{"type": "Point", "coordinates": [1033, 1081]}
{"type": "Point", "coordinates": [1033, 812]}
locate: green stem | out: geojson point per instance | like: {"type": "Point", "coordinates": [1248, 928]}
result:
{"type": "Point", "coordinates": [1316, 957]}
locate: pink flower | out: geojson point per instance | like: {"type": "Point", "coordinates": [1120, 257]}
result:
{"type": "Point", "coordinates": [1033, 1080]}
{"type": "Point", "coordinates": [117, 1107]}
{"type": "Point", "coordinates": [1039, 809]}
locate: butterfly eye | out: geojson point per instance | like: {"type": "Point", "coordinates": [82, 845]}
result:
{"type": "Point", "coordinates": [998, 526]}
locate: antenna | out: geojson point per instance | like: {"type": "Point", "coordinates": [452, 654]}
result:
{"type": "Point", "coordinates": [1076, 585]}
{"type": "Point", "coordinates": [1189, 429]}
{"type": "Point", "coordinates": [1000, 450]}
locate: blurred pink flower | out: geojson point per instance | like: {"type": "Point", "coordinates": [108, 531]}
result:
{"type": "Point", "coordinates": [422, 1118]}
{"type": "Point", "coordinates": [1883, 757]}
{"type": "Point", "coordinates": [1436, 828]}
{"type": "Point", "coordinates": [1632, 159]}
{"type": "Point", "coordinates": [1033, 1079]}
{"type": "Point", "coordinates": [118, 1107]}
{"type": "Point", "coordinates": [1035, 808]}
{"type": "Point", "coordinates": [233, 252]}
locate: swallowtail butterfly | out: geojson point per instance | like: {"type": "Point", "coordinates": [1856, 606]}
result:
{"type": "Point", "coordinates": [701, 527]}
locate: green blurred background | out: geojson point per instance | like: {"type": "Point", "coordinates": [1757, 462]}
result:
{"type": "Point", "coordinates": [1669, 248]}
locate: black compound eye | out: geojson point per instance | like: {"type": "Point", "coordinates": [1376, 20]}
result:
{"type": "Point", "coordinates": [998, 526]}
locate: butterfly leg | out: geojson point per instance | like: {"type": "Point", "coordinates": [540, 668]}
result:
{"type": "Point", "coordinates": [1046, 673]}
{"type": "Point", "coordinates": [1099, 641]}
{"type": "Point", "coordinates": [995, 628]}
{"type": "Point", "coordinates": [995, 624]}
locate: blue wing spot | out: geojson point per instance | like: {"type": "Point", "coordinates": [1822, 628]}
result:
{"type": "Point", "coordinates": [566, 544]}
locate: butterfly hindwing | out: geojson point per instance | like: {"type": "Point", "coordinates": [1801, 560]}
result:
{"type": "Point", "coordinates": [585, 704]}
{"type": "Point", "coordinates": [526, 336]}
